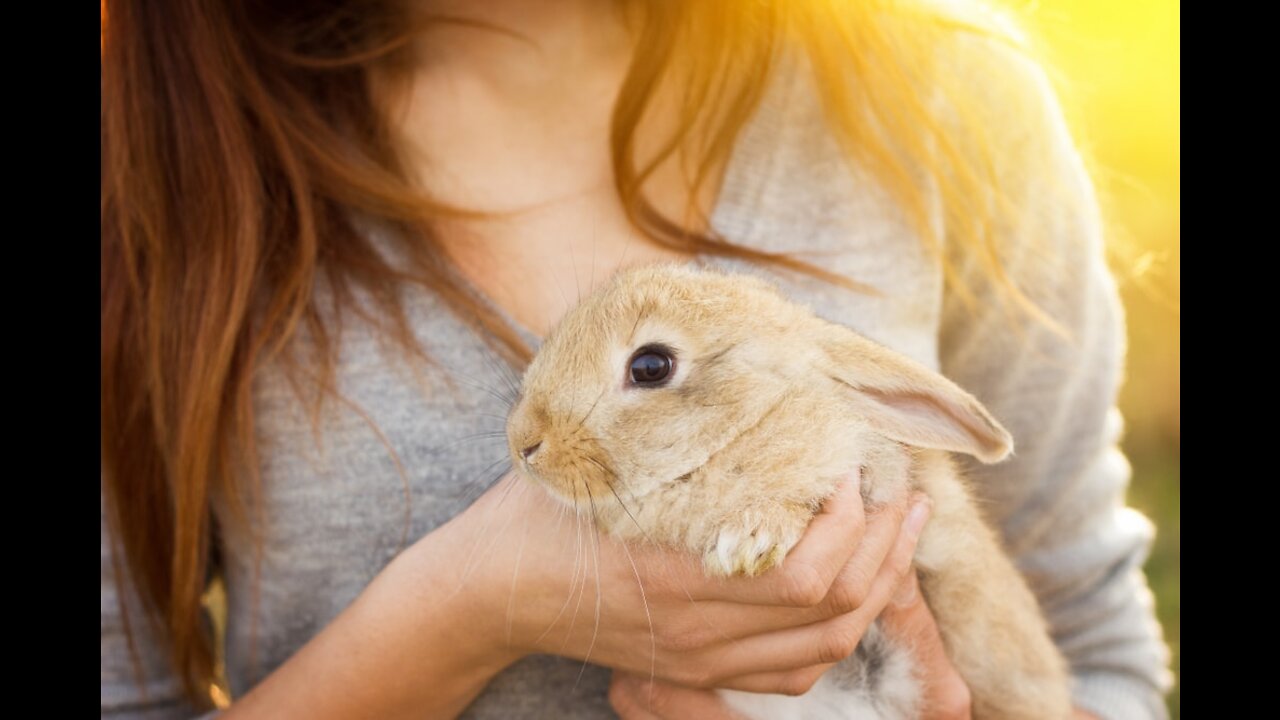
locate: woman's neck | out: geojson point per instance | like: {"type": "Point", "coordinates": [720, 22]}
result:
{"type": "Point", "coordinates": [498, 90]}
{"type": "Point", "coordinates": [508, 111]}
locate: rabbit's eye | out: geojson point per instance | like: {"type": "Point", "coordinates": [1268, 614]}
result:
{"type": "Point", "coordinates": [650, 366]}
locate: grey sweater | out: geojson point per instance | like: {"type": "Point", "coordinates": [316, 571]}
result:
{"type": "Point", "coordinates": [336, 503]}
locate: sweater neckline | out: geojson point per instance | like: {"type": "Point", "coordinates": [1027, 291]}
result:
{"type": "Point", "coordinates": [750, 169]}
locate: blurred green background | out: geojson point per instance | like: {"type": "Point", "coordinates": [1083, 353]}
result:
{"type": "Point", "coordinates": [1117, 67]}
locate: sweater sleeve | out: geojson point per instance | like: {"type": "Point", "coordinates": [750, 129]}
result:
{"type": "Point", "coordinates": [1060, 500]}
{"type": "Point", "coordinates": [155, 693]}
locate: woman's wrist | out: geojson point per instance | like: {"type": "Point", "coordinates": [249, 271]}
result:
{"type": "Point", "coordinates": [472, 607]}
{"type": "Point", "coordinates": [449, 625]}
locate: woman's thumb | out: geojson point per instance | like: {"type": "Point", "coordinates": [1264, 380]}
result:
{"type": "Point", "coordinates": [908, 620]}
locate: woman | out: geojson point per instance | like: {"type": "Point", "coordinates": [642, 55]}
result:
{"type": "Point", "coordinates": [325, 230]}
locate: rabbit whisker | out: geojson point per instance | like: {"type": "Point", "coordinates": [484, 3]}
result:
{"type": "Point", "coordinates": [471, 562]}
{"type": "Point", "coordinates": [577, 281]}
{"type": "Point", "coordinates": [639, 318]}
{"type": "Point", "coordinates": [504, 372]}
{"type": "Point", "coordinates": [595, 240]}
{"type": "Point", "coordinates": [627, 510]}
{"type": "Point", "coordinates": [515, 574]}
{"type": "Point", "coordinates": [498, 536]}
{"type": "Point", "coordinates": [504, 471]}
{"type": "Point", "coordinates": [595, 554]}
{"type": "Point", "coordinates": [475, 383]}
{"type": "Point", "coordinates": [579, 558]}
{"type": "Point", "coordinates": [653, 638]}
{"type": "Point", "coordinates": [605, 469]}
{"type": "Point", "coordinates": [589, 411]}
{"type": "Point", "coordinates": [564, 512]}
{"type": "Point", "coordinates": [487, 435]}
{"type": "Point", "coordinates": [643, 532]}
{"type": "Point", "coordinates": [715, 357]}
{"type": "Point", "coordinates": [479, 485]}
{"type": "Point", "coordinates": [555, 277]}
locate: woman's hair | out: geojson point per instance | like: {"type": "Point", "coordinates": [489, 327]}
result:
{"type": "Point", "coordinates": [241, 139]}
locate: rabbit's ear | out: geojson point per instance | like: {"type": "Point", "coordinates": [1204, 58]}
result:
{"type": "Point", "coordinates": [907, 402]}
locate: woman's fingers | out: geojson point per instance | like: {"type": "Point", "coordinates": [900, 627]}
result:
{"type": "Point", "coordinates": [791, 682]}
{"type": "Point", "coordinates": [635, 698]}
{"type": "Point", "coordinates": [805, 577]}
{"type": "Point", "coordinates": [786, 651]}
{"type": "Point", "coordinates": [823, 643]}
{"type": "Point", "coordinates": [908, 619]}
{"type": "Point", "coordinates": [849, 591]}
{"type": "Point", "coordinates": [852, 586]}
{"type": "Point", "coordinates": [760, 634]}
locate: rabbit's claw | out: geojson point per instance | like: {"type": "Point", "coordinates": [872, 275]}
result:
{"type": "Point", "coordinates": [752, 544]}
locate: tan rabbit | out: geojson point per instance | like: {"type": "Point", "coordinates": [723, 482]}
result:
{"type": "Point", "coordinates": [723, 415]}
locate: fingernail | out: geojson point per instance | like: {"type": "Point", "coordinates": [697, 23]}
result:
{"type": "Point", "coordinates": [907, 592]}
{"type": "Point", "coordinates": [915, 521]}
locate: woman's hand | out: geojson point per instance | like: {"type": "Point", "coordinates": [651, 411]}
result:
{"type": "Point", "coordinates": [906, 617]}
{"type": "Point", "coordinates": [657, 614]}
{"type": "Point", "coordinates": [946, 694]}
{"type": "Point", "coordinates": [908, 620]}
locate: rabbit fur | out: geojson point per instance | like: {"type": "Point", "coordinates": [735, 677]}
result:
{"type": "Point", "coordinates": [765, 408]}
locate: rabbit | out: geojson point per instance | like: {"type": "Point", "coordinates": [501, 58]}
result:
{"type": "Point", "coordinates": [726, 414]}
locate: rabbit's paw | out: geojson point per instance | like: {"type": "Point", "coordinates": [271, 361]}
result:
{"type": "Point", "coordinates": [753, 543]}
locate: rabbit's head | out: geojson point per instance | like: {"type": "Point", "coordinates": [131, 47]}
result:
{"type": "Point", "coordinates": [644, 381]}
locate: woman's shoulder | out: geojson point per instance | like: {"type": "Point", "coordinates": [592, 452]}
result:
{"type": "Point", "coordinates": [794, 186]}
{"type": "Point", "coordinates": [791, 189]}
{"type": "Point", "coordinates": [954, 80]}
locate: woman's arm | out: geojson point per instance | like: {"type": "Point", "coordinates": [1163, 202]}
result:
{"type": "Point", "coordinates": [1060, 499]}
{"type": "Point", "coordinates": [440, 621]}
{"type": "Point", "coordinates": [418, 642]}
{"type": "Point", "coordinates": [407, 641]}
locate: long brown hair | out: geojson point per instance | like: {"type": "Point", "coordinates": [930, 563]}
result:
{"type": "Point", "coordinates": [239, 141]}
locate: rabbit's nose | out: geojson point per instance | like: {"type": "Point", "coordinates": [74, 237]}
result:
{"type": "Point", "coordinates": [528, 452]}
